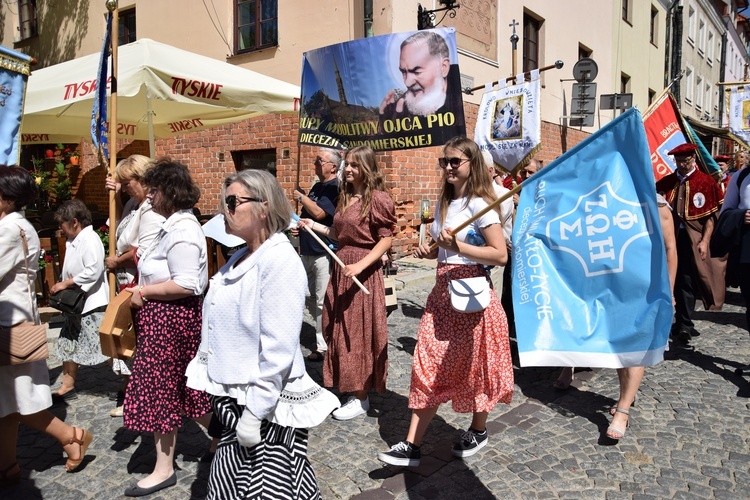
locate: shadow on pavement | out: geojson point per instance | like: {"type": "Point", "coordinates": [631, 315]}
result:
{"type": "Point", "coordinates": [713, 364]}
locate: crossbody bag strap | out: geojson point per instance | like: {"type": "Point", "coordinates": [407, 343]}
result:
{"type": "Point", "coordinates": [32, 302]}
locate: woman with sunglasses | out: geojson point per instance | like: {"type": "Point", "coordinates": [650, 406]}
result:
{"type": "Point", "coordinates": [355, 325]}
{"type": "Point", "coordinates": [172, 275]}
{"type": "Point", "coordinates": [250, 356]}
{"type": "Point", "coordinates": [459, 357]}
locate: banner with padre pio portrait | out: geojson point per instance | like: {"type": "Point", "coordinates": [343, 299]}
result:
{"type": "Point", "coordinates": [14, 71]}
{"type": "Point", "coordinates": [389, 92]}
{"type": "Point", "coordinates": [509, 122]}
{"type": "Point", "coordinates": [739, 112]}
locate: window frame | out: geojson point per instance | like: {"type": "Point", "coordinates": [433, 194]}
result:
{"type": "Point", "coordinates": [529, 44]}
{"type": "Point", "coordinates": [259, 21]}
{"type": "Point", "coordinates": [122, 30]}
{"type": "Point", "coordinates": [689, 84]}
{"type": "Point", "coordinates": [654, 26]}
{"type": "Point", "coordinates": [692, 14]}
{"type": "Point", "coordinates": [27, 7]}
{"type": "Point", "coordinates": [699, 92]}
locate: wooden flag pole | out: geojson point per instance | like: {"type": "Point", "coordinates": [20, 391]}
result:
{"type": "Point", "coordinates": [113, 145]}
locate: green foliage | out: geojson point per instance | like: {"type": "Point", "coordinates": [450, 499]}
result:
{"type": "Point", "coordinates": [61, 187]}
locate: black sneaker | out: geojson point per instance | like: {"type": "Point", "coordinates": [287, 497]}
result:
{"type": "Point", "coordinates": [471, 442]}
{"type": "Point", "coordinates": [403, 454]}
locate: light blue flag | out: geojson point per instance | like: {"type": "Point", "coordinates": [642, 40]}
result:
{"type": "Point", "coordinates": [99, 110]}
{"type": "Point", "coordinates": [590, 282]}
{"type": "Point", "coordinates": [14, 71]}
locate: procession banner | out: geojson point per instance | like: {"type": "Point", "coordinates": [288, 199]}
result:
{"type": "Point", "coordinates": [664, 130]}
{"type": "Point", "coordinates": [389, 92]}
{"type": "Point", "coordinates": [739, 113]}
{"type": "Point", "coordinates": [509, 123]}
{"type": "Point", "coordinates": [590, 282]}
{"type": "Point", "coordinates": [99, 109]}
{"type": "Point", "coordinates": [14, 71]}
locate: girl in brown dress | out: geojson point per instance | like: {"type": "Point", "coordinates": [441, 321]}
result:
{"type": "Point", "coordinates": [355, 324]}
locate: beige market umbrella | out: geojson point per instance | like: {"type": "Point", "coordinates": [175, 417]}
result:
{"type": "Point", "coordinates": [162, 91]}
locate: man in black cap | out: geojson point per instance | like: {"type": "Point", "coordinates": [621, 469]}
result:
{"type": "Point", "coordinates": [695, 198]}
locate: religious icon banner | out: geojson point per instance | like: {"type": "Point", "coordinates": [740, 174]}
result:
{"type": "Point", "coordinates": [509, 123]}
{"type": "Point", "coordinates": [739, 112]}
{"type": "Point", "coordinates": [390, 92]}
{"type": "Point", "coordinates": [14, 71]}
{"type": "Point", "coordinates": [590, 281]}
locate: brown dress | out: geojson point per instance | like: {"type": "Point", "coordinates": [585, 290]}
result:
{"type": "Point", "coordinates": [355, 325]}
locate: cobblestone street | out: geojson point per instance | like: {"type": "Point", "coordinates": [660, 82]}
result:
{"type": "Point", "coordinates": [688, 434]}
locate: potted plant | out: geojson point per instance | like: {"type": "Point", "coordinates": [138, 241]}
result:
{"type": "Point", "coordinates": [74, 157]}
{"type": "Point", "coordinates": [61, 186]}
{"type": "Point", "coordinates": [41, 179]}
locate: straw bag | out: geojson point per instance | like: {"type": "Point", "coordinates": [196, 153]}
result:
{"type": "Point", "coordinates": [469, 295]}
{"type": "Point", "coordinates": [26, 341]}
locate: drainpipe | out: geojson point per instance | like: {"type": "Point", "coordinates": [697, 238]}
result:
{"type": "Point", "coordinates": [677, 53]}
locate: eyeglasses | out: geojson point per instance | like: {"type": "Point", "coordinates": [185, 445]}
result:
{"type": "Point", "coordinates": [322, 161]}
{"type": "Point", "coordinates": [232, 203]}
{"type": "Point", "coordinates": [453, 162]}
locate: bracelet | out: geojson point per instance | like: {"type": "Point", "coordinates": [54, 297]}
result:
{"type": "Point", "coordinates": [313, 226]}
{"type": "Point", "coordinates": [300, 198]}
{"type": "Point", "coordinates": [140, 292]}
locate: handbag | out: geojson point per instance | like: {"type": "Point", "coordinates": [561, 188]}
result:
{"type": "Point", "coordinates": [117, 330]}
{"type": "Point", "coordinates": [68, 301]}
{"type": "Point", "coordinates": [26, 341]}
{"type": "Point", "coordinates": [469, 295]}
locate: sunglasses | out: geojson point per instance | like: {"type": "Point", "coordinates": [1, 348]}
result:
{"type": "Point", "coordinates": [232, 201]}
{"type": "Point", "coordinates": [453, 162]}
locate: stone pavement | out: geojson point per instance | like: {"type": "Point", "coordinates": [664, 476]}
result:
{"type": "Point", "coordinates": [688, 435]}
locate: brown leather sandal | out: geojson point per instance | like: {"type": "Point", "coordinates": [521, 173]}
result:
{"type": "Point", "coordinates": [83, 444]}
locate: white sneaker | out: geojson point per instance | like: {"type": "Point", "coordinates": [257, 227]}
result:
{"type": "Point", "coordinates": [354, 407]}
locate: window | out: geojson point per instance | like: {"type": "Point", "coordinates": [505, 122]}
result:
{"type": "Point", "coordinates": [626, 11]}
{"type": "Point", "coordinates": [256, 24]}
{"type": "Point", "coordinates": [701, 37]}
{"type": "Point", "coordinates": [707, 101]}
{"type": "Point", "coordinates": [698, 93]}
{"type": "Point", "coordinates": [691, 26]}
{"type": "Point", "coordinates": [531, 29]}
{"type": "Point", "coordinates": [27, 18]}
{"type": "Point", "coordinates": [255, 159]}
{"type": "Point", "coordinates": [651, 96]}
{"type": "Point", "coordinates": [710, 46]}
{"type": "Point", "coordinates": [689, 85]}
{"type": "Point", "coordinates": [127, 27]}
{"type": "Point", "coordinates": [654, 26]}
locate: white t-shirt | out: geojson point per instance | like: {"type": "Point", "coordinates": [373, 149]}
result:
{"type": "Point", "coordinates": [506, 211]}
{"type": "Point", "coordinates": [457, 214]}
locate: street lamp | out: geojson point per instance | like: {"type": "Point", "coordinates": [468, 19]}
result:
{"type": "Point", "coordinates": [426, 18]}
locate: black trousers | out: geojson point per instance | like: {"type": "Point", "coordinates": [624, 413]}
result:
{"type": "Point", "coordinates": [744, 278]}
{"type": "Point", "coordinates": [685, 282]}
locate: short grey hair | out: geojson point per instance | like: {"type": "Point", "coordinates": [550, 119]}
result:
{"type": "Point", "coordinates": [261, 184]}
{"type": "Point", "coordinates": [336, 155]}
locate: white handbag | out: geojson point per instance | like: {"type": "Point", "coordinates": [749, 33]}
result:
{"type": "Point", "coordinates": [469, 295]}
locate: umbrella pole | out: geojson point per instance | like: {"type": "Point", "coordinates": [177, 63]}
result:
{"type": "Point", "coordinates": [113, 150]}
{"type": "Point", "coordinates": [150, 115]}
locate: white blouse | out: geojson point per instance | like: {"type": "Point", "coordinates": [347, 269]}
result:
{"type": "Point", "coordinates": [456, 215]}
{"type": "Point", "coordinates": [15, 303]}
{"type": "Point", "coordinates": [84, 262]}
{"type": "Point", "coordinates": [178, 253]}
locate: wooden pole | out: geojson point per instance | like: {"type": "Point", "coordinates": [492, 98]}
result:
{"type": "Point", "coordinates": [558, 64]}
{"type": "Point", "coordinates": [514, 45]}
{"type": "Point", "coordinates": [113, 215]}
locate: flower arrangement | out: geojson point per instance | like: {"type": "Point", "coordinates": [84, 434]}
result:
{"type": "Point", "coordinates": [103, 233]}
{"type": "Point", "coordinates": [45, 259]}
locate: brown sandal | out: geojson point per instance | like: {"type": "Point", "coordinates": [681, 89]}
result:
{"type": "Point", "coordinates": [83, 445]}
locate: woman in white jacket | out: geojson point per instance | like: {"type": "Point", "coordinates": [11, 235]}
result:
{"type": "Point", "coordinates": [250, 353]}
{"type": "Point", "coordinates": [83, 268]}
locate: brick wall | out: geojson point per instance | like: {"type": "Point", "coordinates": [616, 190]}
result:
{"type": "Point", "coordinates": [412, 175]}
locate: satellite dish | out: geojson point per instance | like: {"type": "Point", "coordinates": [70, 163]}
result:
{"type": "Point", "coordinates": [585, 69]}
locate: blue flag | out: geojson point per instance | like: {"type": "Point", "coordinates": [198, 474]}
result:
{"type": "Point", "coordinates": [590, 281]}
{"type": "Point", "coordinates": [14, 72]}
{"type": "Point", "coordinates": [99, 110]}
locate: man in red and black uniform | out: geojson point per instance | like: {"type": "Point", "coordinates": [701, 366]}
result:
{"type": "Point", "coordinates": [695, 198]}
{"type": "Point", "coordinates": [724, 171]}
